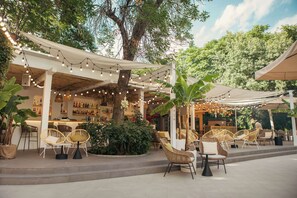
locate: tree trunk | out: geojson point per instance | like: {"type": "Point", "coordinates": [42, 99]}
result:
{"type": "Point", "coordinates": [179, 123]}
{"type": "Point", "coordinates": [8, 134]}
{"type": "Point", "coordinates": [118, 112]}
{"type": "Point", "coordinates": [187, 126]}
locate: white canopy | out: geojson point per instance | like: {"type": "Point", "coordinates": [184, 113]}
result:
{"type": "Point", "coordinates": [240, 97]}
{"type": "Point", "coordinates": [283, 68]}
{"type": "Point", "coordinates": [78, 56]}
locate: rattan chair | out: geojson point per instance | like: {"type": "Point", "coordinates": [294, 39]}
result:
{"type": "Point", "coordinates": [177, 157]}
{"type": "Point", "coordinates": [81, 136]}
{"type": "Point", "coordinates": [251, 138]}
{"type": "Point", "coordinates": [53, 139]}
{"type": "Point", "coordinates": [220, 153]}
{"type": "Point", "coordinates": [266, 135]}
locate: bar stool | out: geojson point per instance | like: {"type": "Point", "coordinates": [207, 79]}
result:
{"type": "Point", "coordinates": [65, 129]}
{"type": "Point", "coordinates": [30, 134]}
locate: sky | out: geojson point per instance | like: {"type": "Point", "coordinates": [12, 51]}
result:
{"type": "Point", "coordinates": [242, 15]}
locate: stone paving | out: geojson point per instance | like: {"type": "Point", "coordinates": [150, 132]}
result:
{"type": "Point", "coordinates": [274, 177]}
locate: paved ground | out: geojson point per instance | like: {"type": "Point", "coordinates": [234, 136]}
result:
{"type": "Point", "coordinates": [270, 177]}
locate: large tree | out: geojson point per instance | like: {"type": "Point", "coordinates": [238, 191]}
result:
{"type": "Point", "coordinates": [146, 29]}
{"type": "Point", "coordinates": [59, 20]}
{"type": "Point", "coordinates": [237, 56]}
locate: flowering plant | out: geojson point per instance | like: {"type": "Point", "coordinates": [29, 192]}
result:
{"type": "Point", "coordinates": [124, 103]}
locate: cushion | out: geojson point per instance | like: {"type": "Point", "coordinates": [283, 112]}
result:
{"type": "Point", "coordinates": [268, 134]}
{"type": "Point", "coordinates": [210, 147]}
{"type": "Point", "coordinates": [240, 136]}
{"type": "Point", "coordinates": [168, 146]}
{"type": "Point", "coordinates": [51, 139]}
{"type": "Point", "coordinates": [78, 138]}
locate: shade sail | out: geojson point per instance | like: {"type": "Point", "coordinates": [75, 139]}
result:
{"type": "Point", "coordinates": [76, 56]}
{"type": "Point", "coordinates": [283, 68]}
{"type": "Point", "coordinates": [240, 97]}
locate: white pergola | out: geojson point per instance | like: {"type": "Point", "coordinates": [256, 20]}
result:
{"type": "Point", "coordinates": [67, 60]}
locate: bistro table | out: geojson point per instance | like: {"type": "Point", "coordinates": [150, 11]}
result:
{"type": "Point", "coordinates": [206, 170]}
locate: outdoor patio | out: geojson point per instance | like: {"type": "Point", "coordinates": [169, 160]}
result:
{"type": "Point", "coordinates": [30, 168]}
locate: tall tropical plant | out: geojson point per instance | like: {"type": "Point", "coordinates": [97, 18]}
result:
{"type": "Point", "coordinates": [11, 115]}
{"type": "Point", "coordinates": [185, 95]}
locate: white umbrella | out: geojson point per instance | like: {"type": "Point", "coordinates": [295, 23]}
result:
{"type": "Point", "coordinates": [283, 68]}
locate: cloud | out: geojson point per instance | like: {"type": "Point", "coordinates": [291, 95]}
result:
{"type": "Point", "coordinates": [203, 35]}
{"type": "Point", "coordinates": [240, 15]}
{"type": "Point", "coordinates": [285, 21]}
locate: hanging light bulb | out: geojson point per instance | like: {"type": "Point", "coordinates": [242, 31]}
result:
{"type": "Point", "coordinates": [144, 73]}
{"type": "Point", "coordinates": [27, 71]}
{"type": "Point", "coordinates": [71, 70]}
{"type": "Point", "coordinates": [87, 64]}
{"type": "Point", "coordinates": [63, 64]}
{"type": "Point", "coordinates": [94, 90]}
{"type": "Point", "coordinates": [80, 68]}
{"type": "Point", "coordinates": [123, 76]}
{"type": "Point", "coordinates": [110, 74]}
{"type": "Point", "coordinates": [58, 57]}
{"type": "Point", "coordinates": [134, 89]}
{"type": "Point", "coordinates": [23, 59]}
{"type": "Point", "coordinates": [117, 70]}
{"type": "Point", "coordinates": [93, 70]}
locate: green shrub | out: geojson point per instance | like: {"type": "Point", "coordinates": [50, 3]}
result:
{"type": "Point", "coordinates": [127, 138]}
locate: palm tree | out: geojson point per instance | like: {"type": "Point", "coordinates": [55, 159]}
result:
{"type": "Point", "coordinates": [185, 94]}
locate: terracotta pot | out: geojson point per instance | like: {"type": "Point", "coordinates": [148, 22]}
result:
{"type": "Point", "coordinates": [8, 151]}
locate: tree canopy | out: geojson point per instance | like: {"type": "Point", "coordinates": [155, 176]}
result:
{"type": "Point", "coordinates": [58, 21]}
{"type": "Point", "coordinates": [237, 56]}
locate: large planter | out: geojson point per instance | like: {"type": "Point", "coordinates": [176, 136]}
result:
{"type": "Point", "coordinates": [278, 141]}
{"type": "Point", "coordinates": [8, 151]}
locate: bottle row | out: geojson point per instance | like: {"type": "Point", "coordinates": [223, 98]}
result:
{"type": "Point", "coordinates": [78, 104]}
{"type": "Point", "coordinates": [85, 112]}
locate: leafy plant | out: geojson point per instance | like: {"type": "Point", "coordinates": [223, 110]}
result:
{"type": "Point", "coordinates": [185, 95]}
{"type": "Point", "coordinates": [127, 138]}
{"type": "Point", "coordinates": [11, 115]}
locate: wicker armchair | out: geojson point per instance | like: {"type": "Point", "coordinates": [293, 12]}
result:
{"type": "Point", "coordinates": [81, 136]}
{"type": "Point", "coordinates": [222, 135]}
{"type": "Point", "coordinates": [266, 135]}
{"type": "Point", "coordinates": [54, 138]}
{"type": "Point", "coordinates": [220, 153]}
{"type": "Point", "coordinates": [251, 138]}
{"type": "Point", "coordinates": [175, 156]}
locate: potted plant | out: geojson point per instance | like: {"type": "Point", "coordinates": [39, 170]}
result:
{"type": "Point", "coordinates": [11, 116]}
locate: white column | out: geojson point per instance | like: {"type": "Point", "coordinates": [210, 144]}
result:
{"type": "Point", "coordinates": [141, 102]}
{"type": "Point", "coordinates": [193, 116]}
{"type": "Point", "coordinates": [173, 110]}
{"type": "Point", "coordinates": [235, 112]}
{"type": "Point", "coordinates": [46, 102]}
{"type": "Point", "coordinates": [271, 119]}
{"type": "Point", "coordinates": [293, 118]}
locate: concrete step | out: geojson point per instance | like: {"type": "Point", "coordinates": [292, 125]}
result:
{"type": "Point", "coordinates": [21, 176]}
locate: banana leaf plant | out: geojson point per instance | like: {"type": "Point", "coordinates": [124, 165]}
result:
{"type": "Point", "coordinates": [11, 115]}
{"type": "Point", "coordinates": [185, 95]}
